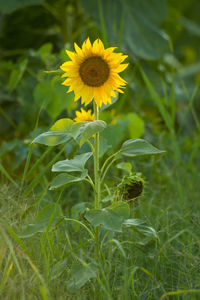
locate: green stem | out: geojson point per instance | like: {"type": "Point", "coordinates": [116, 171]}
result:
{"type": "Point", "coordinates": [107, 160]}
{"type": "Point", "coordinates": [96, 164]}
{"type": "Point", "coordinates": [91, 146]}
{"type": "Point", "coordinates": [89, 179]}
{"type": "Point", "coordinates": [97, 182]}
{"type": "Point", "coordinates": [108, 167]}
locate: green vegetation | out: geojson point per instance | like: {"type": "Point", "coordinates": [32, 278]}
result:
{"type": "Point", "coordinates": [148, 246]}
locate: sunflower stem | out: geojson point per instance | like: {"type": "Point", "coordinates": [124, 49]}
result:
{"type": "Point", "coordinates": [97, 183]}
{"type": "Point", "coordinates": [96, 163]}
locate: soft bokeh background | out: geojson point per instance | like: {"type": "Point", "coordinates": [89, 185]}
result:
{"type": "Point", "coordinates": [161, 104]}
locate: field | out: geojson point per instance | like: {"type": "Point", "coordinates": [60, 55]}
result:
{"type": "Point", "coordinates": [99, 193]}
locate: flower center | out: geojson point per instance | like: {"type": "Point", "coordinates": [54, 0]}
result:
{"type": "Point", "coordinates": [94, 71]}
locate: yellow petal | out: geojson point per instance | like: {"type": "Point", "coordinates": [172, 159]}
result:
{"type": "Point", "coordinates": [121, 68]}
{"type": "Point", "coordinates": [70, 89]}
{"type": "Point", "coordinates": [88, 43]}
{"type": "Point", "coordinates": [71, 54]}
{"type": "Point", "coordinates": [95, 49]}
{"type": "Point", "coordinates": [78, 49]}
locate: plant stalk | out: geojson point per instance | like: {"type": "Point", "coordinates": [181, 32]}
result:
{"type": "Point", "coordinates": [96, 163]}
{"type": "Point", "coordinates": [97, 179]}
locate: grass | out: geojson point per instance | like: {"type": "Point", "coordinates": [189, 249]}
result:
{"type": "Point", "coordinates": [39, 267]}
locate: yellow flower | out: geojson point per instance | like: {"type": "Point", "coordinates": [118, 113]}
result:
{"type": "Point", "coordinates": [84, 116]}
{"type": "Point", "coordinates": [93, 71]}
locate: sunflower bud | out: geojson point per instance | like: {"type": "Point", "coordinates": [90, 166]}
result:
{"type": "Point", "coordinates": [131, 187]}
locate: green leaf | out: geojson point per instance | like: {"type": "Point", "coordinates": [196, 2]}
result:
{"type": "Point", "coordinates": [49, 216]}
{"type": "Point", "coordinates": [142, 30]}
{"type": "Point", "coordinates": [59, 133]}
{"type": "Point", "coordinates": [65, 179]}
{"type": "Point", "coordinates": [111, 218]}
{"type": "Point", "coordinates": [135, 24]}
{"type": "Point", "coordinates": [120, 208]}
{"type": "Point", "coordinates": [77, 209]}
{"type": "Point", "coordinates": [105, 217]}
{"type": "Point", "coordinates": [76, 164]}
{"type": "Point", "coordinates": [81, 132]}
{"type": "Point", "coordinates": [139, 226]}
{"type": "Point", "coordinates": [62, 125]}
{"type": "Point", "coordinates": [52, 138]}
{"type": "Point", "coordinates": [138, 147]}
{"type": "Point", "coordinates": [80, 275]}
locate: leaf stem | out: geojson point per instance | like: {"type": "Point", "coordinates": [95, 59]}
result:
{"type": "Point", "coordinates": [89, 179]}
{"type": "Point", "coordinates": [91, 146]}
{"type": "Point", "coordinates": [107, 160]}
{"type": "Point", "coordinates": [108, 167]}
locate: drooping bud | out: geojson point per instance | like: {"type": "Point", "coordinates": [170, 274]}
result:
{"type": "Point", "coordinates": [131, 187]}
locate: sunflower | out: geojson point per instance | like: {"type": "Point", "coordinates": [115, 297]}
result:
{"type": "Point", "coordinates": [84, 116]}
{"type": "Point", "coordinates": [92, 72]}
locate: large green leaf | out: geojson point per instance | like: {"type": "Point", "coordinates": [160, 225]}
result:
{"type": "Point", "coordinates": [105, 217]}
{"type": "Point", "coordinates": [138, 147]}
{"type": "Point", "coordinates": [64, 179]}
{"type": "Point", "coordinates": [52, 138]}
{"type": "Point", "coordinates": [62, 125]}
{"type": "Point", "coordinates": [111, 218]}
{"type": "Point", "coordinates": [135, 23]}
{"type": "Point", "coordinates": [142, 31]}
{"type": "Point", "coordinates": [120, 208]}
{"type": "Point", "coordinates": [81, 132]}
{"type": "Point", "coordinates": [80, 275]}
{"type": "Point", "coordinates": [49, 216]}
{"type": "Point", "coordinates": [59, 133]}
{"type": "Point", "coordinates": [76, 164]}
